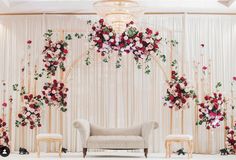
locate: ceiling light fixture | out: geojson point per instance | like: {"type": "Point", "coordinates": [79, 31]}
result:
{"type": "Point", "coordinates": [118, 12]}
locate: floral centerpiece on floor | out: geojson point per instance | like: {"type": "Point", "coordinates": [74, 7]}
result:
{"type": "Point", "coordinates": [178, 93]}
{"type": "Point", "coordinates": [231, 139]}
{"type": "Point", "coordinates": [211, 110]}
{"type": "Point", "coordinates": [54, 94]}
{"type": "Point", "coordinates": [31, 113]}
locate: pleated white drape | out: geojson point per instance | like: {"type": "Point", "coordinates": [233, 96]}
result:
{"type": "Point", "coordinates": [117, 97]}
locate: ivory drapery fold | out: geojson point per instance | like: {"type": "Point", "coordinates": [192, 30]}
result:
{"type": "Point", "coordinates": [114, 97]}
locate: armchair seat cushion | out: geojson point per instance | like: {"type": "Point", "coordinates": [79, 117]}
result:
{"type": "Point", "coordinates": [179, 137]}
{"type": "Point", "coordinates": [115, 142]}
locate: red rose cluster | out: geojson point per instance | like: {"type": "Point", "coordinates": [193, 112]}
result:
{"type": "Point", "coordinates": [231, 139]}
{"type": "Point", "coordinates": [31, 113]}
{"type": "Point", "coordinates": [54, 56]}
{"type": "Point", "coordinates": [54, 94]}
{"type": "Point", "coordinates": [141, 44]}
{"type": "Point", "coordinates": [4, 139]}
{"type": "Point", "coordinates": [211, 111]}
{"type": "Point", "coordinates": [178, 93]}
{"type": "Point", "coordinates": [103, 38]}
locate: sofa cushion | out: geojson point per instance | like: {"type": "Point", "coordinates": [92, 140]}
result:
{"type": "Point", "coordinates": [100, 131]}
{"type": "Point", "coordinates": [115, 142]}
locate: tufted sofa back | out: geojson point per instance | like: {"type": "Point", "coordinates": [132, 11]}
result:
{"type": "Point", "coordinates": [100, 131]}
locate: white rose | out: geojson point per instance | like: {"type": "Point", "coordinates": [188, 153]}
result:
{"type": "Point", "coordinates": [148, 40]}
{"type": "Point", "coordinates": [58, 46]}
{"type": "Point", "coordinates": [97, 38]}
{"type": "Point", "coordinates": [106, 37]}
{"type": "Point", "coordinates": [110, 34]}
{"type": "Point", "coordinates": [112, 40]}
{"type": "Point", "coordinates": [136, 39]}
{"type": "Point", "coordinates": [126, 37]}
{"type": "Point", "coordinates": [53, 91]}
{"type": "Point", "coordinates": [117, 39]}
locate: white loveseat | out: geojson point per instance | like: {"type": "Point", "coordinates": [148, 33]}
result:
{"type": "Point", "coordinates": [95, 137]}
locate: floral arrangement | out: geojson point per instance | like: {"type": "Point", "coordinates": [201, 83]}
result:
{"type": "Point", "coordinates": [54, 94]}
{"type": "Point", "coordinates": [4, 139]}
{"type": "Point", "coordinates": [31, 113]}
{"type": "Point", "coordinates": [104, 40]}
{"type": "Point", "coordinates": [54, 54]}
{"type": "Point", "coordinates": [178, 92]}
{"type": "Point", "coordinates": [211, 111]}
{"type": "Point", "coordinates": [231, 139]}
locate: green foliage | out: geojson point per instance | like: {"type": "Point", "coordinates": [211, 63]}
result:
{"type": "Point", "coordinates": [48, 34]}
{"type": "Point", "coordinates": [68, 37]}
{"type": "Point", "coordinates": [79, 35]}
{"type": "Point", "coordinates": [15, 87]}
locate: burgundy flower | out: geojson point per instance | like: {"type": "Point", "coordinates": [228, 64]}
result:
{"type": "Point", "coordinates": [234, 78]}
{"type": "Point", "coordinates": [29, 42]}
{"type": "Point", "coordinates": [202, 45]}
{"type": "Point", "coordinates": [204, 68]}
{"type": "Point", "coordinates": [101, 21]}
{"type": "Point", "coordinates": [4, 104]}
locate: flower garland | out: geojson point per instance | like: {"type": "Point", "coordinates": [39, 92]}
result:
{"type": "Point", "coordinates": [211, 111]}
{"type": "Point", "coordinates": [54, 54]}
{"type": "Point", "coordinates": [54, 94]}
{"type": "Point", "coordinates": [105, 40]}
{"type": "Point", "coordinates": [31, 113]}
{"type": "Point", "coordinates": [4, 138]}
{"type": "Point", "coordinates": [231, 139]}
{"type": "Point", "coordinates": [178, 92]}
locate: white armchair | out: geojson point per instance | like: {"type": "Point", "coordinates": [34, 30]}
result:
{"type": "Point", "coordinates": [95, 137]}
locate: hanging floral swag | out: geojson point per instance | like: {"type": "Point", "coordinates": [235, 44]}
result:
{"type": "Point", "coordinates": [178, 93]}
{"type": "Point", "coordinates": [211, 111]}
{"type": "Point", "coordinates": [142, 45]}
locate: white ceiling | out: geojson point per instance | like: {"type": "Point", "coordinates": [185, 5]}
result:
{"type": "Point", "coordinates": [86, 6]}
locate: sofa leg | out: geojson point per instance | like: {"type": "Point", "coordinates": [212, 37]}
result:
{"type": "Point", "coordinates": [84, 152]}
{"type": "Point", "coordinates": [145, 152]}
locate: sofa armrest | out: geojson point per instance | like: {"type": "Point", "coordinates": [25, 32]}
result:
{"type": "Point", "coordinates": [147, 128]}
{"type": "Point", "coordinates": [84, 129]}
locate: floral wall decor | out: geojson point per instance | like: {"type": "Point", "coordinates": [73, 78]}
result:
{"type": "Point", "coordinates": [178, 93]}
{"type": "Point", "coordinates": [211, 110]}
{"type": "Point", "coordinates": [55, 54]}
{"type": "Point", "coordinates": [141, 44]}
{"type": "Point", "coordinates": [54, 94]}
{"type": "Point", "coordinates": [31, 112]}
{"type": "Point", "coordinates": [231, 139]}
{"type": "Point", "coordinates": [4, 138]}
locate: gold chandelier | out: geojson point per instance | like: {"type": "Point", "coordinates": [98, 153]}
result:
{"type": "Point", "coordinates": [118, 12]}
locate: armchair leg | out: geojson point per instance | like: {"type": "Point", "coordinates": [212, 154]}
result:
{"type": "Point", "coordinates": [84, 152]}
{"type": "Point", "coordinates": [145, 152]}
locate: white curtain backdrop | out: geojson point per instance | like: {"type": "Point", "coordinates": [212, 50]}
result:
{"type": "Point", "coordinates": [113, 97]}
